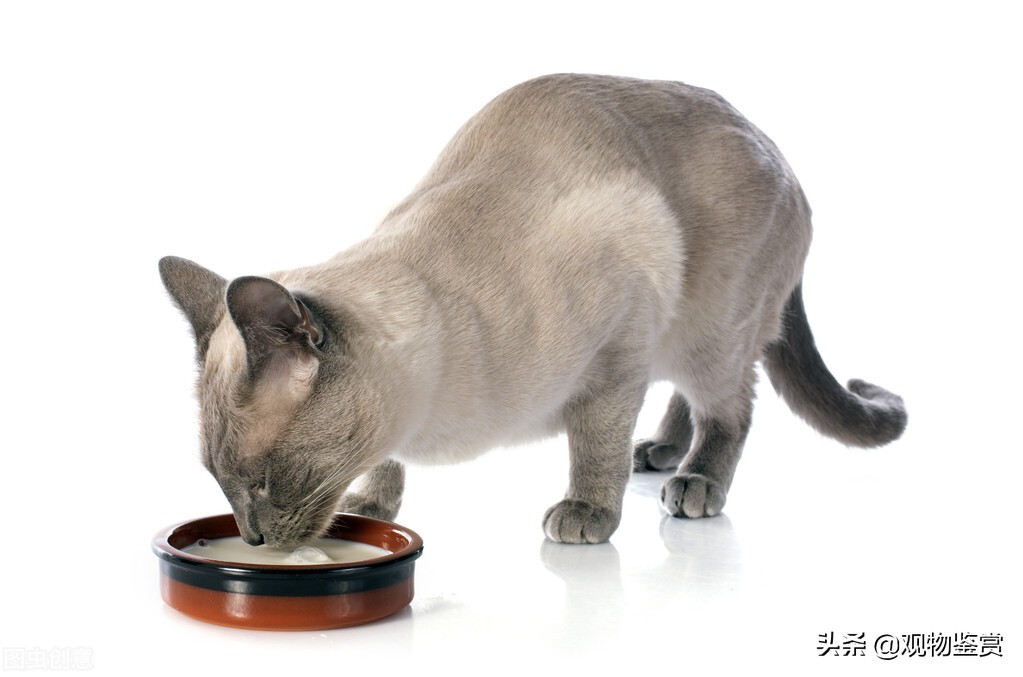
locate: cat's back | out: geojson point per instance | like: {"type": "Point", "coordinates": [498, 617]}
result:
{"type": "Point", "coordinates": [545, 137]}
{"type": "Point", "coordinates": [555, 124]}
{"type": "Point", "coordinates": [611, 174]}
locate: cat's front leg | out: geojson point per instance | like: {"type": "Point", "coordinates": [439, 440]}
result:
{"type": "Point", "coordinates": [600, 427]}
{"type": "Point", "coordinates": [379, 492]}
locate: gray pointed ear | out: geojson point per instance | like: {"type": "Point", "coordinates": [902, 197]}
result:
{"type": "Point", "coordinates": [199, 293]}
{"type": "Point", "coordinates": [270, 319]}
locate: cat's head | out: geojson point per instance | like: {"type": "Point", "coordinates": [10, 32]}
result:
{"type": "Point", "coordinates": [283, 416]}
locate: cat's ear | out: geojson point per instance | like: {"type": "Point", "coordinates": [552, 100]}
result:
{"type": "Point", "coordinates": [199, 293]}
{"type": "Point", "coordinates": [270, 319]}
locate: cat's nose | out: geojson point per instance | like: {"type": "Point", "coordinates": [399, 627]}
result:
{"type": "Point", "coordinates": [251, 539]}
{"type": "Point", "coordinates": [248, 524]}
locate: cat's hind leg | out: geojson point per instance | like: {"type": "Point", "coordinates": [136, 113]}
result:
{"type": "Point", "coordinates": [700, 485]}
{"type": "Point", "coordinates": [378, 493]}
{"type": "Point", "coordinates": [671, 441]}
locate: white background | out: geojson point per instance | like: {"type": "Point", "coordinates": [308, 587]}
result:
{"type": "Point", "coordinates": [258, 136]}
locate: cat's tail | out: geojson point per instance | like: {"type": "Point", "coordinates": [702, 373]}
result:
{"type": "Point", "coordinates": [862, 415]}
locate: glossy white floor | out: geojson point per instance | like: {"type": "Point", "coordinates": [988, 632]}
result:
{"type": "Point", "coordinates": [252, 139]}
{"type": "Point", "coordinates": [815, 539]}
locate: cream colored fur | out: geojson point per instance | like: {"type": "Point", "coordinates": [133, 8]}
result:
{"type": "Point", "coordinates": [578, 238]}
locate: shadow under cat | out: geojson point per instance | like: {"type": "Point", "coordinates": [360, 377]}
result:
{"type": "Point", "coordinates": [701, 570]}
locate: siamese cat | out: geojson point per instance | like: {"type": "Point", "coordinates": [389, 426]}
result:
{"type": "Point", "coordinates": [579, 238]}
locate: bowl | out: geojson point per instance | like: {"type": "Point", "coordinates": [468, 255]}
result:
{"type": "Point", "coordinates": [288, 597]}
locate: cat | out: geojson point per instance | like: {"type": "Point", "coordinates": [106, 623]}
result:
{"type": "Point", "coordinates": [579, 238]}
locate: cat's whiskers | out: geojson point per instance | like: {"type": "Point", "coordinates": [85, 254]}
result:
{"type": "Point", "coordinates": [325, 491]}
{"type": "Point", "coordinates": [311, 508]}
{"type": "Point", "coordinates": [330, 480]}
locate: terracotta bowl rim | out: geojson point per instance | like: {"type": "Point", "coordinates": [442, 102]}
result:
{"type": "Point", "coordinates": [412, 550]}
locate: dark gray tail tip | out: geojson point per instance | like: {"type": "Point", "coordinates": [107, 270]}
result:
{"type": "Point", "coordinates": [888, 411]}
{"type": "Point", "coordinates": [872, 392]}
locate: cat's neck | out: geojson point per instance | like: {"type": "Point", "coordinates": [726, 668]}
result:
{"type": "Point", "coordinates": [393, 332]}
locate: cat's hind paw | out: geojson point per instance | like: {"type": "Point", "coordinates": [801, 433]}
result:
{"type": "Point", "coordinates": [575, 521]}
{"type": "Point", "coordinates": [692, 495]}
{"type": "Point", "coordinates": [654, 455]}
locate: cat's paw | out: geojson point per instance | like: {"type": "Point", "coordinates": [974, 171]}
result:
{"type": "Point", "coordinates": [575, 521]}
{"type": "Point", "coordinates": [357, 504]}
{"type": "Point", "coordinates": [654, 455]}
{"type": "Point", "coordinates": [692, 495]}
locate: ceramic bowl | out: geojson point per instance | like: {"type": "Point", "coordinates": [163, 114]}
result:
{"type": "Point", "coordinates": [283, 597]}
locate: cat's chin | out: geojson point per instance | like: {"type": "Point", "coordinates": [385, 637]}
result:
{"type": "Point", "coordinates": [296, 536]}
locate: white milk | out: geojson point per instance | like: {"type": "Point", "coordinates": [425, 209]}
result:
{"type": "Point", "coordinates": [316, 551]}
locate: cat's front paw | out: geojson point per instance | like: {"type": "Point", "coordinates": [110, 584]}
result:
{"type": "Point", "coordinates": [654, 455]}
{"type": "Point", "coordinates": [575, 521]}
{"type": "Point", "coordinates": [692, 495]}
{"type": "Point", "coordinates": [357, 504]}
